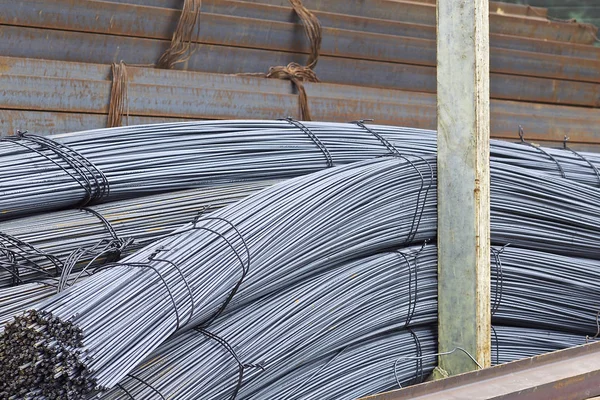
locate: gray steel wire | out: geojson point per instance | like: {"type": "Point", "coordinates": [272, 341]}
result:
{"type": "Point", "coordinates": [542, 290]}
{"type": "Point", "coordinates": [141, 220]}
{"type": "Point", "coordinates": [306, 224]}
{"type": "Point", "coordinates": [510, 343]}
{"type": "Point", "coordinates": [67, 170]}
{"type": "Point", "coordinates": [317, 316]}
{"type": "Point", "coordinates": [137, 160]}
{"type": "Point", "coordinates": [299, 226]}
{"type": "Point", "coordinates": [367, 367]}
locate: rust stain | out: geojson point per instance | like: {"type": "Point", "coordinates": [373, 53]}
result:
{"type": "Point", "coordinates": [568, 382]}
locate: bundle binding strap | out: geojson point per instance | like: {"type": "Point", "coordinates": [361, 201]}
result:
{"type": "Point", "coordinates": [118, 102]}
{"type": "Point", "coordinates": [180, 49]}
{"type": "Point", "coordinates": [294, 72]}
{"type": "Point", "coordinates": [81, 169]}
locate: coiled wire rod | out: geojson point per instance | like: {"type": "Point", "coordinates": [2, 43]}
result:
{"type": "Point", "coordinates": [71, 169]}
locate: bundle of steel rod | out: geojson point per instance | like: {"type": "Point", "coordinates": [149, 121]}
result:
{"type": "Point", "coordinates": [15, 300]}
{"type": "Point", "coordinates": [541, 290]}
{"type": "Point", "coordinates": [86, 167]}
{"type": "Point", "coordinates": [541, 212]}
{"type": "Point", "coordinates": [58, 243]}
{"type": "Point", "coordinates": [270, 239]}
{"type": "Point", "coordinates": [376, 364]}
{"type": "Point", "coordinates": [319, 315]}
{"type": "Point", "coordinates": [510, 343]}
{"type": "Point", "coordinates": [81, 168]}
{"type": "Point", "coordinates": [387, 361]}
{"type": "Point", "coordinates": [267, 241]}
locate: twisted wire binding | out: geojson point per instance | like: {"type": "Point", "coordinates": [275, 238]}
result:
{"type": "Point", "coordinates": [111, 230]}
{"type": "Point", "coordinates": [418, 215]}
{"type": "Point", "coordinates": [126, 391]}
{"type": "Point", "coordinates": [26, 251]}
{"type": "Point", "coordinates": [194, 226]}
{"type": "Point", "coordinates": [499, 278]}
{"type": "Point", "coordinates": [391, 148]}
{"type": "Point", "coordinates": [591, 164]}
{"type": "Point", "coordinates": [522, 137]}
{"type": "Point", "coordinates": [420, 356]}
{"type": "Point", "coordinates": [93, 181]}
{"type": "Point", "coordinates": [160, 276]}
{"type": "Point", "coordinates": [497, 345]}
{"type": "Point", "coordinates": [241, 366]}
{"type": "Point", "coordinates": [111, 248]}
{"type": "Point", "coordinates": [312, 137]}
{"type": "Point", "coordinates": [412, 294]}
{"type": "Point", "coordinates": [155, 390]}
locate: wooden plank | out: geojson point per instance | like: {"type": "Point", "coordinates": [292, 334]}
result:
{"type": "Point", "coordinates": [463, 120]}
{"type": "Point", "coordinates": [403, 77]}
{"type": "Point", "coordinates": [225, 30]}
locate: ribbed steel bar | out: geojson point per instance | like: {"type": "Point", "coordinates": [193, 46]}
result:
{"type": "Point", "coordinates": [158, 158]}
{"type": "Point", "coordinates": [277, 235]}
{"type": "Point", "coordinates": [510, 343]}
{"type": "Point", "coordinates": [320, 315]}
{"type": "Point", "coordinates": [542, 290]}
{"type": "Point", "coordinates": [40, 246]}
{"type": "Point", "coordinates": [72, 169]}
{"type": "Point", "coordinates": [301, 226]}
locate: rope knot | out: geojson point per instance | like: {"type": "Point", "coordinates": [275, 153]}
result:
{"type": "Point", "coordinates": [297, 74]}
{"type": "Point", "coordinates": [293, 72]}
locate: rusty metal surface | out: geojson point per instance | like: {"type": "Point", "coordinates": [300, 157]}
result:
{"type": "Point", "coordinates": [103, 49]}
{"type": "Point", "coordinates": [409, 29]}
{"type": "Point", "coordinates": [572, 374]}
{"type": "Point", "coordinates": [69, 95]}
{"type": "Point", "coordinates": [225, 30]}
{"type": "Point", "coordinates": [328, 102]}
{"type": "Point", "coordinates": [506, 8]}
{"type": "Point", "coordinates": [502, 8]}
{"type": "Point", "coordinates": [425, 14]}
{"type": "Point", "coordinates": [403, 77]}
{"type": "Point", "coordinates": [45, 123]}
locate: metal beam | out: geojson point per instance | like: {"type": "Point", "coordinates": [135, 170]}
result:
{"type": "Point", "coordinates": [97, 48]}
{"type": "Point", "coordinates": [463, 104]}
{"type": "Point", "coordinates": [261, 34]}
{"type": "Point", "coordinates": [331, 70]}
{"type": "Point", "coordinates": [571, 374]}
{"type": "Point", "coordinates": [69, 87]}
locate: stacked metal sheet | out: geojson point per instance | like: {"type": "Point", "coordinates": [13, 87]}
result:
{"type": "Point", "coordinates": [544, 74]}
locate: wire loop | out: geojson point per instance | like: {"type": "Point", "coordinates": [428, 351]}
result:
{"type": "Point", "coordinates": [242, 367]}
{"type": "Point", "coordinates": [312, 137]}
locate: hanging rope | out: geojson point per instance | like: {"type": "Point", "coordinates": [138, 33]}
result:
{"type": "Point", "coordinates": [118, 102]}
{"type": "Point", "coordinates": [294, 72]}
{"type": "Point", "coordinates": [180, 49]}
